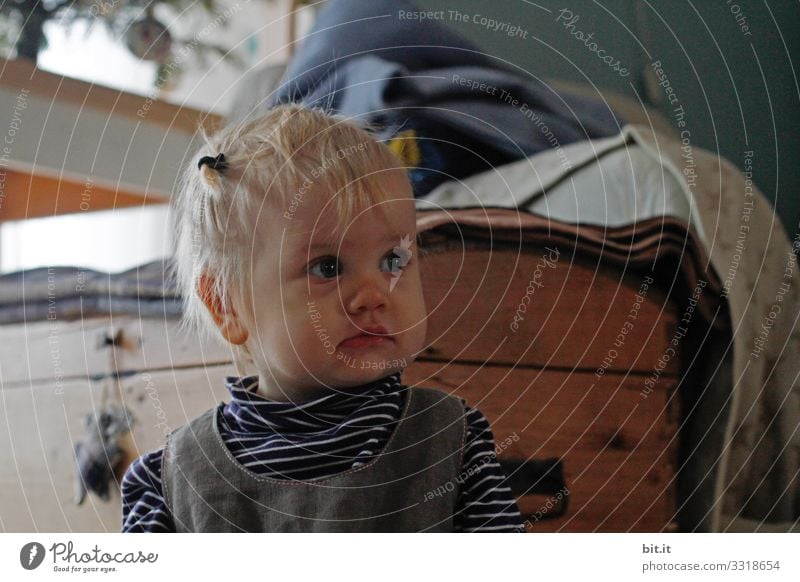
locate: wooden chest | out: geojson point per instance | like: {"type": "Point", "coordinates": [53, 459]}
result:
{"type": "Point", "coordinates": [585, 377]}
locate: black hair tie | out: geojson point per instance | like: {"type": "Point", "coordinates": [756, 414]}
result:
{"type": "Point", "coordinates": [219, 164]}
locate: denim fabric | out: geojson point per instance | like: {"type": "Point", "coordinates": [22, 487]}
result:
{"type": "Point", "coordinates": [411, 486]}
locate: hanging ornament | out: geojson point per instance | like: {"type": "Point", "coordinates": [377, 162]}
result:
{"type": "Point", "coordinates": [148, 39]}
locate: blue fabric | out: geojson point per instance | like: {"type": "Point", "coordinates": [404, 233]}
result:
{"type": "Point", "coordinates": [361, 60]}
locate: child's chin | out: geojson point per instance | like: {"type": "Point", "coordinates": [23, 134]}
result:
{"type": "Point", "coordinates": [364, 372]}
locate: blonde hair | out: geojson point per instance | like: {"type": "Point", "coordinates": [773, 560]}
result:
{"type": "Point", "coordinates": [266, 160]}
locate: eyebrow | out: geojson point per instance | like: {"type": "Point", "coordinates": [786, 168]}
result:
{"type": "Point", "coordinates": [322, 245]}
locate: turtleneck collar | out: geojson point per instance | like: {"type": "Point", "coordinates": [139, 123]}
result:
{"type": "Point", "coordinates": [319, 414]}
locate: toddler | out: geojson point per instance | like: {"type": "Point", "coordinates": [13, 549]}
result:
{"type": "Point", "coordinates": [296, 242]}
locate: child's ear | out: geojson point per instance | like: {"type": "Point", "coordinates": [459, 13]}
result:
{"type": "Point", "coordinates": [209, 297]}
{"type": "Point", "coordinates": [225, 317]}
{"type": "Point", "coordinates": [233, 331]}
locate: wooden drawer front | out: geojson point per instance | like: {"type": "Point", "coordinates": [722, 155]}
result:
{"type": "Point", "coordinates": [580, 315]}
{"type": "Point", "coordinates": [618, 444]}
{"type": "Point", "coordinates": [37, 466]}
{"type": "Point", "coordinates": [54, 351]}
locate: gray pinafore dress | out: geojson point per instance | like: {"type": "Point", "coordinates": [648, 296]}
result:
{"type": "Point", "coordinates": [410, 486]}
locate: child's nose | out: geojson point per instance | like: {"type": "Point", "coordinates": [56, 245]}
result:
{"type": "Point", "coordinates": [369, 294]}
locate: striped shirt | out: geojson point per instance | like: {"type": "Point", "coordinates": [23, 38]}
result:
{"type": "Point", "coordinates": [320, 438]}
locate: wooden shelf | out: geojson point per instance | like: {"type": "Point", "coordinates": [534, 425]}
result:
{"type": "Point", "coordinates": [73, 146]}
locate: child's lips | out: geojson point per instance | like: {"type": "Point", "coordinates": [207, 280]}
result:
{"type": "Point", "coordinates": [364, 341]}
{"type": "Point", "coordinates": [371, 336]}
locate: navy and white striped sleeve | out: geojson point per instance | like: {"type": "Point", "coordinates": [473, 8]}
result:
{"type": "Point", "coordinates": [143, 507]}
{"type": "Point", "coordinates": [485, 502]}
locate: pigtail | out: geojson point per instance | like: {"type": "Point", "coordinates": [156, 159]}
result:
{"type": "Point", "coordinates": [211, 170]}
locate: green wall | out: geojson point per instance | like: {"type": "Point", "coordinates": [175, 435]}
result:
{"type": "Point", "coordinates": [739, 88]}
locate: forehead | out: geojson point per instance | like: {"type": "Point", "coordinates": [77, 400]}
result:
{"type": "Point", "coordinates": [316, 216]}
{"type": "Point", "coordinates": [382, 222]}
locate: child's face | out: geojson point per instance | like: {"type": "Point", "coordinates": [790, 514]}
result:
{"type": "Point", "coordinates": [315, 298]}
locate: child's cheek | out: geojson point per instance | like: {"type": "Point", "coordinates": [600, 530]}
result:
{"type": "Point", "coordinates": [316, 290]}
{"type": "Point", "coordinates": [308, 326]}
{"type": "Point", "coordinates": [414, 287]}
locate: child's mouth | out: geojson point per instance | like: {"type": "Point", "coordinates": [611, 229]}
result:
{"type": "Point", "coordinates": [364, 341]}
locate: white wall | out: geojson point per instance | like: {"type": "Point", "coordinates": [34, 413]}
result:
{"type": "Point", "coordinates": [112, 240]}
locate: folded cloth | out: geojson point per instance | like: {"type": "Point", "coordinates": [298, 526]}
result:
{"type": "Point", "coordinates": [73, 292]}
{"type": "Point", "coordinates": [367, 60]}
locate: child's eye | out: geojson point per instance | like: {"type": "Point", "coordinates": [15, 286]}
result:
{"type": "Point", "coordinates": [326, 268]}
{"type": "Point", "coordinates": [396, 260]}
